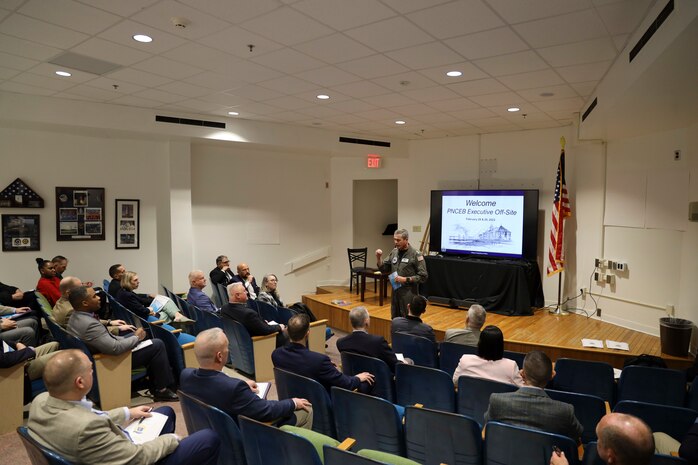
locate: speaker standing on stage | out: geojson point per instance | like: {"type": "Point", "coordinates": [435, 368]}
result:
{"type": "Point", "coordinates": [411, 270]}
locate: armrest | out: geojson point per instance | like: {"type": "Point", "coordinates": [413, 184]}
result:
{"type": "Point", "coordinates": [188, 345]}
{"type": "Point", "coordinates": [158, 322]}
{"type": "Point", "coordinates": [176, 331]}
{"type": "Point", "coordinates": [608, 407]}
{"type": "Point", "coordinates": [262, 338]}
{"type": "Point", "coordinates": [347, 444]}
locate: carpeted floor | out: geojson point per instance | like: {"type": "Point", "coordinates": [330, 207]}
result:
{"type": "Point", "coordinates": [12, 451]}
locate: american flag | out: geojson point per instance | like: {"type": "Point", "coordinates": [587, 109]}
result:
{"type": "Point", "coordinates": [561, 210]}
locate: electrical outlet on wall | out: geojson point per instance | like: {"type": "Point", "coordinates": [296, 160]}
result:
{"type": "Point", "coordinates": [598, 312]}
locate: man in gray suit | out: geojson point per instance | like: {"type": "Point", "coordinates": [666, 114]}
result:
{"type": "Point", "coordinates": [474, 320]}
{"type": "Point", "coordinates": [63, 420]}
{"type": "Point", "coordinates": [530, 406]}
{"type": "Point", "coordinates": [85, 325]}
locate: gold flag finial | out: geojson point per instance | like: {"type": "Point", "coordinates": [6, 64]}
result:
{"type": "Point", "coordinates": [562, 142]}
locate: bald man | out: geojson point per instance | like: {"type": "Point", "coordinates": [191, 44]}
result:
{"type": "Point", "coordinates": [245, 277]}
{"type": "Point", "coordinates": [623, 440]}
{"type": "Point", "coordinates": [232, 395]}
{"type": "Point", "coordinates": [63, 420]}
{"type": "Point", "coordinates": [196, 295]}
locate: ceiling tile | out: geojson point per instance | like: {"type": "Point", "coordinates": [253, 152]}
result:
{"type": "Point", "coordinates": [159, 96]}
{"type": "Point", "coordinates": [353, 106]}
{"type": "Point", "coordinates": [488, 43]}
{"type": "Point", "coordinates": [437, 118]}
{"type": "Point", "coordinates": [257, 109]}
{"type": "Point", "coordinates": [101, 49]}
{"type": "Point", "coordinates": [572, 104]}
{"type": "Point", "coordinates": [286, 85]}
{"type": "Point", "coordinates": [342, 15]}
{"type": "Point", "coordinates": [453, 104]}
{"type": "Point", "coordinates": [514, 63]}
{"type": "Point", "coordinates": [26, 49]}
{"type": "Point", "coordinates": [430, 94]}
{"type": "Point", "coordinates": [161, 14]}
{"type": "Point", "coordinates": [621, 41]}
{"type": "Point", "coordinates": [586, 72]}
{"type": "Point", "coordinates": [288, 102]}
{"type": "Point", "coordinates": [236, 40]}
{"type": "Point", "coordinates": [255, 92]}
{"type": "Point", "coordinates": [7, 73]}
{"type": "Point", "coordinates": [225, 99]}
{"type": "Point", "coordinates": [478, 87]}
{"type": "Point", "coordinates": [563, 91]}
{"type": "Point", "coordinates": [136, 101]}
{"type": "Point", "coordinates": [49, 70]}
{"type": "Point", "coordinates": [47, 82]}
{"type": "Point", "coordinates": [108, 83]}
{"type": "Point", "coordinates": [404, 81]}
{"type": "Point", "coordinates": [122, 7]}
{"type": "Point", "coordinates": [328, 76]}
{"type": "Point", "coordinates": [234, 11]}
{"type": "Point", "coordinates": [288, 60]}
{"type": "Point", "coordinates": [563, 29]}
{"type": "Point", "coordinates": [141, 78]}
{"type": "Point", "coordinates": [344, 119]}
{"type": "Point", "coordinates": [472, 114]}
{"type": "Point", "coordinates": [516, 11]}
{"type": "Point", "coordinates": [503, 98]}
{"type": "Point", "coordinates": [585, 89]}
{"type": "Point", "coordinates": [20, 88]}
{"type": "Point", "coordinates": [244, 72]}
{"type": "Point", "coordinates": [425, 56]}
{"type": "Point", "coordinates": [85, 90]}
{"type": "Point", "coordinates": [414, 109]}
{"type": "Point", "coordinates": [213, 81]}
{"type": "Point", "coordinates": [335, 49]}
{"type": "Point", "coordinates": [34, 30]}
{"type": "Point", "coordinates": [198, 106]}
{"type": "Point", "coordinates": [166, 67]}
{"type": "Point", "coordinates": [198, 55]}
{"type": "Point", "coordinates": [587, 51]}
{"type": "Point", "coordinates": [390, 34]}
{"type": "Point", "coordinates": [390, 100]}
{"type": "Point", "coordinates": [123, 33]}
{"type": "Point", "coordinates": [273, 25]}
{"type": "Point", "coordinates": [469, 72]}
{"type": "Point", "coordinates": [319, 111]}
{"type": "Point", "coordinates": [546, 77]}
{"type": "Point", "coordinates": [361, 89]}
{"type": "Point", "coordinates": [373, 67]}
{"type": "Point", "coordinates": [456, 18]}
{"type": "Point", "coordinates": [623, 17]}
{"type": "Point", "coordinates": [407, 6]}
{"type": "Point", "coordinates": [71, 15]}
{"type": "Point", "coordinates": [16, 62]}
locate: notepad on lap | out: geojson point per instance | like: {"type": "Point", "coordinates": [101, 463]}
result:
{"type": "Point", "coordinates": [263, 390]}
{"type": "Point", "coordinates": [147, 429]}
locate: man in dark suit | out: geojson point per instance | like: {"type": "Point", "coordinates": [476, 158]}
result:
{"type": "Point", "coordinates": [245, 277]}
{"type": "Point", "coordinates": [235, 396]}
{"type": "Point", "coordinates": [362, 343]}
{"type": "Point", "coordinates": [530, 406]}
{"type": "Point", "coordinates": [237, 309]}
{"type": "Point", "coordinates": [296, 358]}
{"type": "Point", "coordinates": [221, 274]}
{"type": "Point", "coordinates": [412, 323]}
{"type": "Point", "coordinates": [83, 325]}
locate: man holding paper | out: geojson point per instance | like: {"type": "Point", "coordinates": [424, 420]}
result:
{"type": "Point", "coordinates": [65, 421]}
{"type": "Point", "coordinates": [235, 396]}
{"type": "Point", "coordinates": [407, 268]}
{"type": "Point", "coordinates": [83, 325]}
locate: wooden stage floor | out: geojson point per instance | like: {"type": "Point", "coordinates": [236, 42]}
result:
{"type": "Point", "coordinates": [558, 336]}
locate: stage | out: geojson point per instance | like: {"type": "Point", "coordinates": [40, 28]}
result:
{"type": "Point", "coordinates": [558, 336]}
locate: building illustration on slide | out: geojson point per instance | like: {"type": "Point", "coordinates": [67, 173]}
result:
{"type": "Point", "coordinates": [491, 236]}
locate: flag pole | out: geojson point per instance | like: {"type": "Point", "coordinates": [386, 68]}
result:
{"type": "Point", "coordinates": [558, 308]}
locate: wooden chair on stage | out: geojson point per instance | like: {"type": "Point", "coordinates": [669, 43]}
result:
{"type": "Point", "coordinates": [357, 263]}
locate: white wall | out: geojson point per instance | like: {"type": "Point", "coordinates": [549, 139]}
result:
{"type": "Point", "coordinates": [374, 207]}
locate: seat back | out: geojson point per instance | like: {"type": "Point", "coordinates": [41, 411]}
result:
{"type": "Point", "coordinates": [588, 410]}
{"type": "Point", "coordinates": [266, 444]}
{"type": "Point", "coordinates": [221, 293]}
{"type": "Point", "coordinates": [512, 445]}
{"type": "Point", "coordinates": [175, 352]}
{"type": "Point", "coordinates": [184, 307]}
{"type": "Point", "coordinates": [585, 377]}
{"type": "Point", "coordinates": [420, 349]}
{"type": "Point", "coordinates": [285, 314]}
{"type": "Point", "coordinates": [119, 312]}
{"type": "Point", "coordinates": [441, 437]}
{"type": "Point", "coordinates": [674, 421]}
{"type": "Point", "coordinates": [473, 396]}
{"type": "Point", "coordinates": [267, 311]}
{"type": "Point", "coordinates": [450, 354]}
{"type": "Point", "coordinates": [655, 385]}
{"type": "Point", "coordinates": [171, 295]}
{"type": "Point", "coordinates": [383, 386]}
{"type": "Point", "coordinates": [105, 284]}
{"type": "Point", "coordinates": [518, 357]}
{"type": "Point", "coordinates": [336, 456]}
{"type": "Point", "coordinates": [290, 385]}
{"type": "Point", "coordinates": [198, 415]}
{"type": "Point", "coordinates": [38, 454]}
{"type": "Point", "coordinates": [239, 345]}
{"type": "Point", "coordinates": [372, 421]}
{"type": "Point", "coordinates": [430, 387]}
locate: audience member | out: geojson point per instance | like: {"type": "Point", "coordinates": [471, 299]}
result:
{"type": "Point", "coordinates": [196, 296]}
{"type": "Point", "coordinates": [117, 272]}
{"type": "Point", "coordinates": [22, 330]}
{"type": "Point", "coordinates": [247, 280]}
{"type": "Point", "coordinates": [530, 406]}
{"type": "Point", "coordinates": [474, 320]}
{"type": "Point", "coordinates": [413, 324]}
{"type": "Point", "coordinates": [622, 440]}
{"type": "Point", "coordinates": [296, 358]}
{"type": "Point", "coordinates": [236, 309]}
{"type": "Point", "coordinates": [221, 274]}
{"type": "Point", "coordinates": [63, 420]}
{"type": "Point", "coordinates": [235, 396]}
{"type": "Point", "coordinates": [11, 296]}
{"type": "Point", "coordinates": [126, 297]}
{"type": "Point", "coordinates": [268, 292]}
{"type": "Point", "coordinates": [687, 450]}
{"type": "Point", "coordinates": [60, 263]}
{"type": "Point", "coordinates": [48, 282]}
{"type": "Point", "coordinates": [411, 270]}
{"type": "Point", "coordinates": [84, 326]}
{"type": "Point", "coordinates": [35, 358]}
{"type": "Point", "coordinates": [362, 343]}
{"type": "Point", "coordinates": [489, 362]}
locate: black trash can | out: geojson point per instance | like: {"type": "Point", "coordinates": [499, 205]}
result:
{"type": "Point", "coordinates": [675, 335]}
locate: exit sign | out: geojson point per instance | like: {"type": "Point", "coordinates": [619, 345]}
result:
{"type": "Point", "coordinates": [373, 161]}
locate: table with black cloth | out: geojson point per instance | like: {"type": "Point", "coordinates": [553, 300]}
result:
{"type": "Point", "coordinates": [509, 287]}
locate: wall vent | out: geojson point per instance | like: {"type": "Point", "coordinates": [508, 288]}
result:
{"type": "Point", "coordinates": [189, 122]}
{"type": "Point", "coordinates": [589, 110]}
{"type": "Point", "coordinates": [352, 140]}
{"type": "Point", "coordinates": [654, 27]}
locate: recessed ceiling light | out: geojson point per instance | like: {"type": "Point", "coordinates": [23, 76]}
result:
{"type": "Point", "coordinates": [63, 73]}
{"type": "Point", "coordinates": [454, 74]}
{"type": "Point", "coordinates": [142, 38]}
{"type": "Point", "coordinates": [233, 113]}
{"type": "Point", "coordinates": [323, 97]}
{"type": "Point", "coordinates": [400, 122]}
{"type": "Point", "coordinates": [513, 109]}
